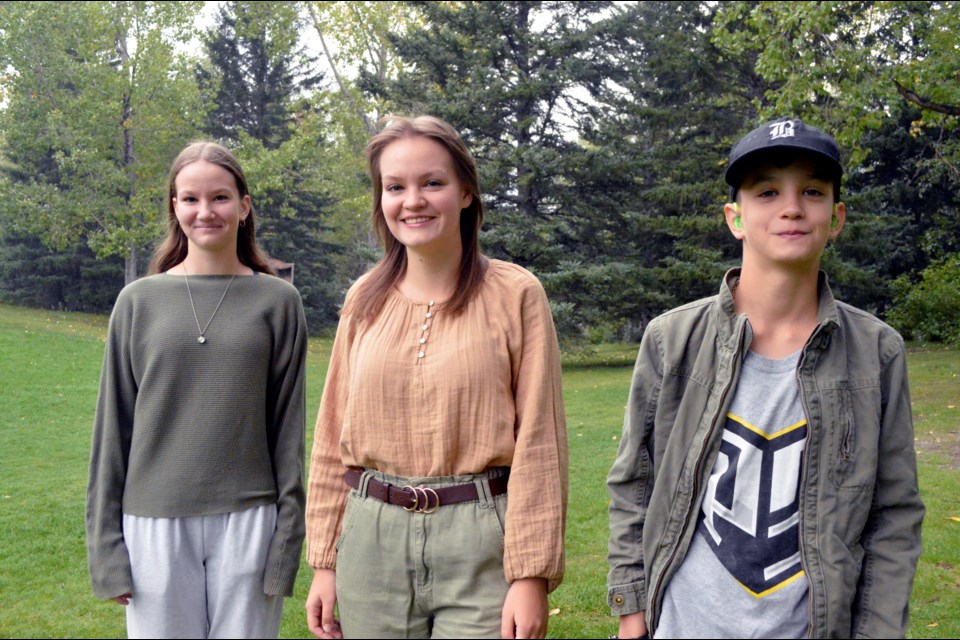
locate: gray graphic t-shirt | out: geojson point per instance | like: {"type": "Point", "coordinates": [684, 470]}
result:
{"type": "Point", "coordinates": [741, 577]}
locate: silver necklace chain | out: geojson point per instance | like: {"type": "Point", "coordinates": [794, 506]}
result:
{"type": "Point", "coordinates": [201, 339]}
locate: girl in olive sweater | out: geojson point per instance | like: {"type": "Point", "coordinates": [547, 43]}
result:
{"type": "Point", "coordinates": [195, 499]}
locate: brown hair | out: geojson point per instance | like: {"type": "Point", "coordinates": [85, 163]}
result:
{"type": "Point", "coordinates": [173, 250]}
{"type": "Point", "coordinates": [372, 293]}
{"type": "Point", "coordinates": [783, 157]}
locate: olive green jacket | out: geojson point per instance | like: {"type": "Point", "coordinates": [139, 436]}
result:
{"type": "Point", "coordinates": [860, 508]}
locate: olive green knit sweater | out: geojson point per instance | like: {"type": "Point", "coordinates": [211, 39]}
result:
{"type": "Point", "coordinates": [187, 429]}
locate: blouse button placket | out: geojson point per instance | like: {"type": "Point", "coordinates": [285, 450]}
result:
{"type": "Point", "coordinates": [424, 329]}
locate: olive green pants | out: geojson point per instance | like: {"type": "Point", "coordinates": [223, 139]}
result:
{"type": "Point", "coordinates": [422, 575]}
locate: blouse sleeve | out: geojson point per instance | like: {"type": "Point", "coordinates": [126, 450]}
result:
{"type": "Point", "coordinates": [107, 552]}
{"type": "Point", "coordinates": [287, 415]}
{"type": "Point", "coordinates": [537, 504]}
{"type": "Point", "coordinates": [326, 490]}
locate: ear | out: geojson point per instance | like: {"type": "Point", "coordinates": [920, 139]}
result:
{"type": "Point", "coordinates": [466, 199]}
{"type": "Point", "coordinates": [730, 211]}
{"type": "Point", "coordinates": [245, 204]}
{"type": "Point", "coordinates": [840, 211]}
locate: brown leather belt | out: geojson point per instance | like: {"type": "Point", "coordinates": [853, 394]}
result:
{"type": "Point", "coordinates": [422, 499]}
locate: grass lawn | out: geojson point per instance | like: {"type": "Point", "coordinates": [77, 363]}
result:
{"type": "Point", "coordinates": [50, 366]}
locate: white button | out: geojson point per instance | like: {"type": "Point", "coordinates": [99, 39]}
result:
{"type": "Point", "coordinates": [423, 340]}
{"type": "Point", "coordinates": [430, 303]}
{"type": "Point", "coordinates": [425, 327]}
{"type": "Point", "coordinates": [420, 355]}
{"type": "Point", "coordinates": [429, 315]}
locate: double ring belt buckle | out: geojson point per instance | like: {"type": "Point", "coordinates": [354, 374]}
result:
{"type": "Point", "coordinates": [422, 494]}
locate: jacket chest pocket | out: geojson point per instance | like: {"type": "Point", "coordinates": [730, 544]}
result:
{"type": "Point", "coordinates": [852, 418]}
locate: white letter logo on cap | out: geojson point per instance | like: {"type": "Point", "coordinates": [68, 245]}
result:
{"type": "Point", "coordinates": [781, 129]}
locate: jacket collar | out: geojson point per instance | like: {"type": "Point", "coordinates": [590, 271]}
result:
{"type": "Point", "coordinates": [729, 324]}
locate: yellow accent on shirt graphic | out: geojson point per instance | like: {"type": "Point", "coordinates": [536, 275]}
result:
{"type": "Point", "coordinates": [761, 433]}
{"type": "Point", "coordinates": [762, 594]}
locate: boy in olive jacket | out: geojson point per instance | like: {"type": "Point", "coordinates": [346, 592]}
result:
{"type": "Point", "coordinates": [766, 481]}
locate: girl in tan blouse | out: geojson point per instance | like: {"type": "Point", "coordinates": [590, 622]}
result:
{"type": "Point", "coordinates": [443, 397]}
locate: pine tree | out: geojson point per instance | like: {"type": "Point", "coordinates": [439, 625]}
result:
{"type": "Point", "coordinates": [255, 72]}
{"type": "Point", "coordinates": [257, 80]}
{"type": "Point", "coordinates": [663, 132]}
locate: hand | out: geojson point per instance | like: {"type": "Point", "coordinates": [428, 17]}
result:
{"type": "Point", "coordinates": [320, 604]}
{"type": "Point", "coordinates": [525, 609]}
{"type": "Point", "coordinates": [633, 625]}
{"type": "Point", "coordinates": [124, 599]}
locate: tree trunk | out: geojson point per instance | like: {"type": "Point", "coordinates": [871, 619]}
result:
{"type": "Point", "coordinates": [126, 123]}
{"type": "Point", "coordinates": [526, 118]}
{"type": "Point", "coordinates": [130, 265]}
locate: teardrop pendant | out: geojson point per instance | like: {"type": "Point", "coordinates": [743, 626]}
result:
{"type": "Point", "coordinates": [201, 339]}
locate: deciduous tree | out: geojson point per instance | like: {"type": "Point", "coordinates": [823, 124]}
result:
{"type": "Point", "coordinates": [97, 106]}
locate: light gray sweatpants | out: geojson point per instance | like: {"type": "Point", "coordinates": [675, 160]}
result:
{"type": "Point", "coordinates": [202, 576]}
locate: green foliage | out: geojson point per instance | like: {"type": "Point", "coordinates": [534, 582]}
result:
{"type": "Point", "coordinates": [658, 136]}
{"type": "Point", "coordinates": [355, 38]}
{"type": "Point", "coordinates": [504, 74]}
{"type": "Point", "coordinates": [883, 78]}
{"type": "Point", "coordinates": [901, 215]}
{"type": "Point", "coordinates": [930, 309]}
{"type": "Point", "coordinates": [254, 71]}
{"type": "Point", "coordinates": [288, 192]}
{"type": "Point", "coordinates": [69, 280]}
{"type": "Point", "coordinates": [357, 35]}
{"type": "Point", "coordinates": [541, 92]}
{"type": "Point", "coordinates": [848, 65]}
{"type": "Point", "coordinates": [601, 132]}
{"type": "Point", "coordinates": [98, 104]}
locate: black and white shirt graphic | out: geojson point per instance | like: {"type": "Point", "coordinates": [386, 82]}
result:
{"type": "Point", "coordinates": [741, 576]}
{"type": "Point", "coordinates": [750, 512]}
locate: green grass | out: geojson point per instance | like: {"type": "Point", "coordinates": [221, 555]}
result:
{"type": "Point", "coordinates": [935, 387]}
{"type": "Point", "coordinates": [50, 366]}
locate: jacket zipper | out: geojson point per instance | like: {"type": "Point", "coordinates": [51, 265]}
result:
{"type": "Point", "coordinates": [803, 483]}
{"type": "Point", "coordinates": [849, 441]}
{"type": "Point", "coordinates": [696, 481]}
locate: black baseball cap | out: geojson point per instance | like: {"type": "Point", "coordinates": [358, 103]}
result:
{"type": "Point", "coordinates": [782, 133]}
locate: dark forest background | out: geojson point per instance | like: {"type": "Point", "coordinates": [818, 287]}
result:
{"type": "Point", "coordinates": [601, 130]}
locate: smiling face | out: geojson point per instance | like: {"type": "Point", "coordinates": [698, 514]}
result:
{"type": "Point", "coordinates": [786, 215]}
{"type": "Point", "coordinates": [422, 196]}
{"type": "Point", "coordinates": [209, 208]}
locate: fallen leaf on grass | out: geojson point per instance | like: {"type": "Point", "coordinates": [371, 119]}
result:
{"type": "Point", "coordinates": [933, 624]}
{"type": "Point", "coordinates": [554, 612]}
{"type": "Point", "coordinates": [954, 518]}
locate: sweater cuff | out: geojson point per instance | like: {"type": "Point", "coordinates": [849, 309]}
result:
{"type": "Point", "coordinates": [115, 584]}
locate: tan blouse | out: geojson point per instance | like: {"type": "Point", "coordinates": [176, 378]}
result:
{"type": "Point", "coordinates": [419, 393]}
